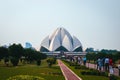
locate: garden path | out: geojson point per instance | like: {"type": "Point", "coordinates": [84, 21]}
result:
{"type": "Point", "coordinates": [68, 73]}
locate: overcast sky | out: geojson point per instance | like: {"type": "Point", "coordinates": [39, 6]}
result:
{"type": "Point", "coordinates": [96, 23]}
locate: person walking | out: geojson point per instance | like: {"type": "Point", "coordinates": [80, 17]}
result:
{"type": "Point", "coordinates": [79, 60]}
{"type": "Point", "coordinates": [110, 62]}
{"type": "Point", "coordinates": [99, 64]}
{"type": "Point", "coordinates": [84, 61]}
{"type": "Point", "coordinates": [119, 67]}
{"type": "Point", "coordinates": [111, 71]}
{"type": "Point", "coordinates": [106, 64]}
{"type": "Point", "coordinates": [111, 66]}
{"type": "Point", "coordinates": [103, 63]}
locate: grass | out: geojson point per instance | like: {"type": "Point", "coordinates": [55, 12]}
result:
{"type": "Point", "coordinates": [53, 73]}
{"type": "Point", "coordinates": [86, 77]}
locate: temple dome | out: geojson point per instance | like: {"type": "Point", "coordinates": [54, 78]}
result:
{"type": "Point", "coordinates": [61, 40]}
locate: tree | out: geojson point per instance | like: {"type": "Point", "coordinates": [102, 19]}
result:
{"type": "Point", "coordinates": [43, 56]}
{"type": "Point", "coordinates": [101, 55]}
{"type": "Point", "coordinates": [91, 56]}
{"type": "Point", "coordinates": [4, 55]}
{"type": "Point", "coordinates": [118, 55]}
{"type": "Point", "coordinates": [29, 55]}
{"type": "Point", "coordinates": [16, 51]}
{"type": "Point", "coordinates": [3, 52]}
{"type": "Point", "coordinates": [38, 58]}
{"type": "Point", "coordinates": [33, 55]}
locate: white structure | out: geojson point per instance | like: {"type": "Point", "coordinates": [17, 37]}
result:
{"type": "Point", "coordinates": [61, 41]}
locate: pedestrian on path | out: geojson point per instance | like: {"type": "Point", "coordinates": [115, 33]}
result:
{"type": "Point", "coordinates": [79, 60]}
{"type": "Point", "coordinates": [119, 67]}
{"type": "Point", "coordinates": [106, 64]}
{"type": "Point", "coordinates": [84, 61]}
{"type": "Point", "coordinates": [111, 71]}
{"type": "Point", "coordinates": [103, 63]}
{"type": "Point", "coordinates": [110, 62]}
{"type": "Point", "coordinates": [99, 61]}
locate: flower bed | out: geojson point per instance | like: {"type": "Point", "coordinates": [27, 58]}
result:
{"type": "Point", "coordinates": [25, 77]}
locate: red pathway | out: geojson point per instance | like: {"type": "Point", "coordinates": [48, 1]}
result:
{"type": "Point", "coordinates": [68, 74]}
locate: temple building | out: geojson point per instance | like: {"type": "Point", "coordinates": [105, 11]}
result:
{"type": "Point", "coordinates": [60, 42]}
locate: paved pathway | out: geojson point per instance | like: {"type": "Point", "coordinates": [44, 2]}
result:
{"type": "Point", "coordinates": [68, 74]}
{"type": "Point", "coordinates": [116, 71]}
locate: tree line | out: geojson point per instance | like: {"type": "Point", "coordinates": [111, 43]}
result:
{"type": "Point", "coordinates": [16, 53]}
{"type": "Point", "coordinates": [95, 55]}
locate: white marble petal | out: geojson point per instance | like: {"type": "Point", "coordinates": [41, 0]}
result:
{"type": "Point", "coordinates": [67, 43]}
{"type": "Point", "coordinates": [45, 42]}
{"type": "Point", "coordinates": [55, 43]}
{"type": "Point", "coordinates": [76, 43]}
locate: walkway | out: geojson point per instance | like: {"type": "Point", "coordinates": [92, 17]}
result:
{"type": "Point", "coordinates": [116, 71]}
{"type": "Point", "coordinates": [68, 74]}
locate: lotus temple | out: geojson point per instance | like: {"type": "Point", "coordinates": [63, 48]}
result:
{"type": "Point", "coordinates": [60, 42]}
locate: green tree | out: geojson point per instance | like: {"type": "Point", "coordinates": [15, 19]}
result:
{"type": "Point", "coordinates": [118, 55]}
{"type": "Point", "coordinates": [44, 56]}
{"type": "Point", "coordinates": [33, 55]}
{"type": "Point", "coordinates": [101, 55]}
{"type": "Point", "coordinates": [16, 51]}
{"type": "Point", "coordinates": [4, 55]}
{"type": "Point", "coordinates": [3, 52]}
{"type": "Point", "coordinates": [91, 56]}
{"type": "Point", "coordinates": [29, 55]}
{"type": "Point", "coordinates": [38, 58]}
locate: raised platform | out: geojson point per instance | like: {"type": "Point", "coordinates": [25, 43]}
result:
{"type": "Point", "coordinates": [65, 53]}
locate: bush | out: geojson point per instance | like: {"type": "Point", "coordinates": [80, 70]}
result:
{"type": "Point", "coordinates": [83, 72]}
{"type": "Point", "coordinates": [81, 67]}
{"type": "Point", "coordinates": [94, 72]}
{"type": "Point", "coordinates": [25, 77]}
{"type": "Point", "coordinates": [66, 61]}
{"type": "Point", "coordinates": [6, 61]}
{"type": "Point", "coordinates": [73, 64]}
{"type": "Point", "coordinates": [38, 62]}
{"type": "Point", "coordinates": [112, 77]}
{"type": "Point", "coordinates": [51, 61]}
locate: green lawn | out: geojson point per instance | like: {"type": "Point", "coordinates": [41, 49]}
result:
{"type": "Point", "coordinates": [87, 77]}
{"type": "Point", "coordinates": [53, 73]}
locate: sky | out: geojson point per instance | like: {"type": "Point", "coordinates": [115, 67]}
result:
{"type": "Point", "coordinates": [96, 23]}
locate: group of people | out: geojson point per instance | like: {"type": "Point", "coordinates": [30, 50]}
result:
{"type": "Point", "coordinates": [106, 64]}
{"type": "Point", "coordinates": [79, 60]}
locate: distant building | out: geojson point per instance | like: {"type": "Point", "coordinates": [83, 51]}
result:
{"type": "Point", "coordinates": [61, 42]}
{"type": "Point", "coordinates": [5, 46]}
{"type": "Point", "coordinates": [28, 45]}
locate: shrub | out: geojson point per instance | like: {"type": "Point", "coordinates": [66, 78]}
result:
{"type": "Point", "coordinates": [51, 61]}
{"type": "Point", "coordinates": [81, 67]}
{"type": "Point", "coordinates": [25, 77]}
{"type": "Point", "coordinates": [94, 72]}
{"type": "Point", "coordinates": [83, 72]}
{"type": "Point", "coordinates": [38, 62]}
{"type": "Point", "coordinates": [73, 64]}
{"type": "Point", "coordinates": [6, 61]}
{"type": "Point", "coordinates": [112, 77]}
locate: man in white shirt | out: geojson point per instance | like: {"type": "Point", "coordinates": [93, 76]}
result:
{"type": "Point", "coordinates": [106, 64]}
